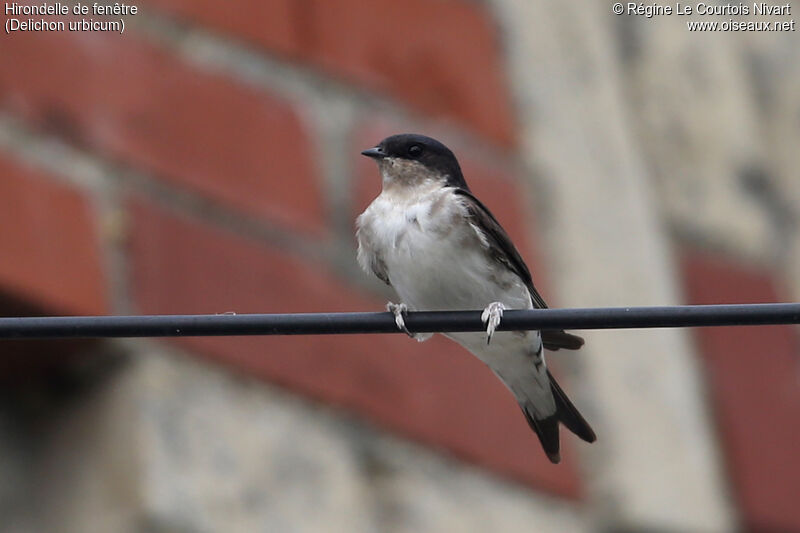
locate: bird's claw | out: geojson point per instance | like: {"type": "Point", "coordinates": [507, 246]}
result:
{"type": "Point", "coordinates": [491, 318]}
{"type": "Point", "coordinates": [398, 310]}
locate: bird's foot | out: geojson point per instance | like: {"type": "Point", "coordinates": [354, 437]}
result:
{"type": "Point", "coordinates": [398, 310]}
{"type": "Point", "coordinates": [491, 318]}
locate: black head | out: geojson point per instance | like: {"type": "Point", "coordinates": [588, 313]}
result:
{"type": "Point", "coordinates": [430, 153]}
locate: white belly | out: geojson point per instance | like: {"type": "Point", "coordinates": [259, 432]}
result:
{"type": "Point", "coordinates": [440, 263]}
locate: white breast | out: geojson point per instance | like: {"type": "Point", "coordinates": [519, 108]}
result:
{"type": "Point", "coordinates": [434, 257]}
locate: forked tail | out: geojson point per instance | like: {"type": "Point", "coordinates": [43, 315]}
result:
{"type": "Point", "coordinates": [547, 428]}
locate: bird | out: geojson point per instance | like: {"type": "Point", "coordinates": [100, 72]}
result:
{"type": "Point", "coordinates": [428, 237]}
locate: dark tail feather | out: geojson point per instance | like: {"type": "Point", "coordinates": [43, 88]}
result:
{"type": "Point", "coordinates": [557, 339]}
{"type": "Point", "coordinates": [569, 415]}
{"type": "Point", "coordinates": [547, 431]}
{"type": "Point", "coordinates": [547, 428]}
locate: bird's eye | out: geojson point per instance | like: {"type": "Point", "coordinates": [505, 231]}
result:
{"type": "Point", "coordinates": [415, 150]}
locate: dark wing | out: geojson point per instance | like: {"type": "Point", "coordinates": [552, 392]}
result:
{"type": "Point", "coordinates": [504, 251]}
{"type": "Point", "coordinates": [379, 269]}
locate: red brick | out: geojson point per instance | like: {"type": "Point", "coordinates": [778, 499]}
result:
{"type": "Point", "coordinates": [434, 392]}
{"type": "Point", "coordinates": [274, 24]}
{"type": "Point", "coordinates": [753, 374]}
{"type": "Point", "coordinates": [234, 143]}
{"type": "Point", "coordinates": [442, 56]}
{"type": "Point", "coordinates": [49, 255]}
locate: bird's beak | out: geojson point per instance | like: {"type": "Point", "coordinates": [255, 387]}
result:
{"type": "Point", "coordinates": [375, 153]}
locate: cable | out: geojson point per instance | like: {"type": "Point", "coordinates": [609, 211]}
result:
{"type": "Point", "coordinates": [424, 321]}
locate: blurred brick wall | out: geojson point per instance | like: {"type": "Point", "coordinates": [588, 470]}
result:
{"type": "Point", "coordinates": [253, 155]}
{"type": "Point", "coordinates": [755, 389]}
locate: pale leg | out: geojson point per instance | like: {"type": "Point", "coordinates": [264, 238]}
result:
{"type": "Point", "coordinates": [398, 310]}
{"type": "Point", "coordinates": [491, 317]}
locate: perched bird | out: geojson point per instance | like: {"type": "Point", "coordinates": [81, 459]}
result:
{"type": "Point", "coordinates": [427, 236]}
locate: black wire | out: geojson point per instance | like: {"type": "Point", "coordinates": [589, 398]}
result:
{"type": "Point", "coordinates": [427, 321]}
